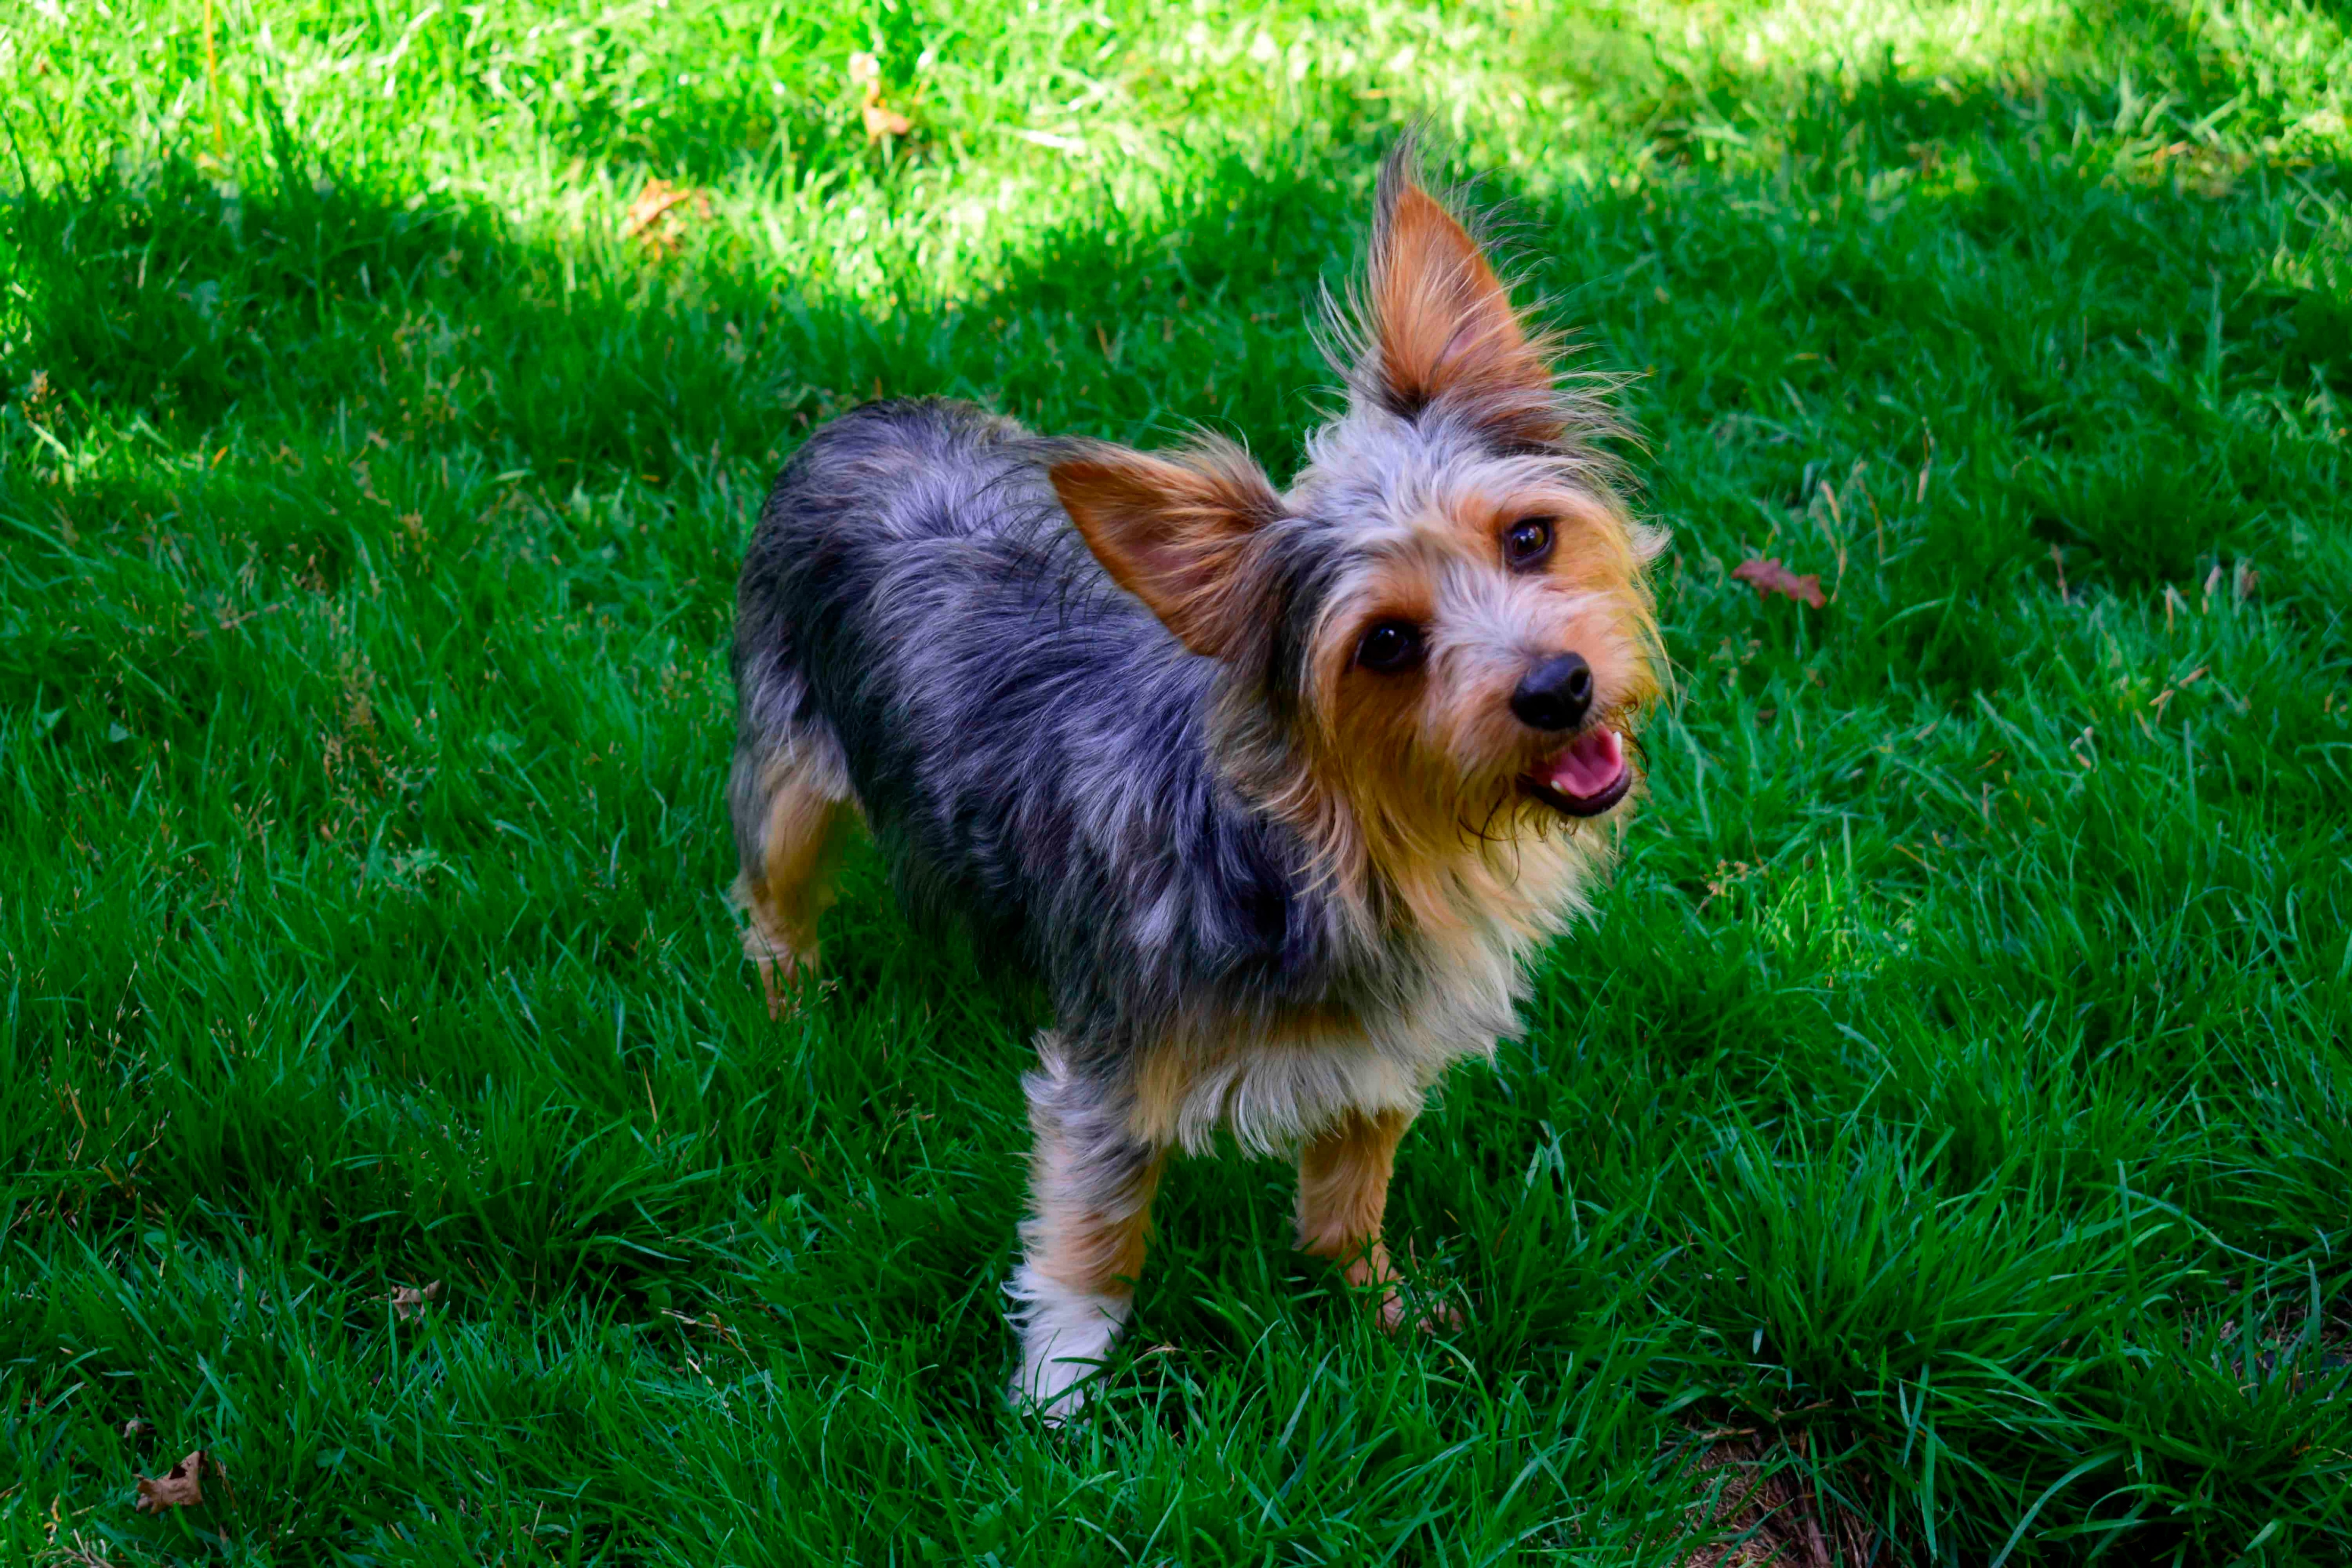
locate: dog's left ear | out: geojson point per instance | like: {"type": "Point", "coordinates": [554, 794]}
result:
{"type": "Point", "coordinates": [1173, 532]}
{"type": "Point", "coordinates": [1440, 326]}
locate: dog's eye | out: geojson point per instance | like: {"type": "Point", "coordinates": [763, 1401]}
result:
{"type": "Point", "coordinates": [1390, 647]}
{"type": "Point", "coordinates": [1527, 542]}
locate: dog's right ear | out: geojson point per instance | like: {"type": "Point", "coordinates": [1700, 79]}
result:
{"type": "Point", "coordinates": [1441, 326]}
{"type": "Point", "coordinates": [1174, 531]}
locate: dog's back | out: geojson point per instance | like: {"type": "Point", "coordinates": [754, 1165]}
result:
{"type": "Point", "coordinates": [889, 505]}
{"type": "Point", "coordinates": [920, 631]}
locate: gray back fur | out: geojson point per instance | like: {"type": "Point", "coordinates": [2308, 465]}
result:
{"type": "Point", "coordinates": [1031, 747]}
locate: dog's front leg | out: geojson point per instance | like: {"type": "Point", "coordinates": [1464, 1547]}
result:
{"type": "Point", "coordinates": [1091, 1182]}
{"type": "Point", "coordinates": [1343, 1193]}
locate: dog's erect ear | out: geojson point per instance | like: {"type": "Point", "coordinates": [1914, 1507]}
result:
{"type": "Point", "coordinates": [1439, 323]}
{"type": "Point", "coordinates": [1174, 531]}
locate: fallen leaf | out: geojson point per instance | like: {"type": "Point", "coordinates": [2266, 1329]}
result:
{"type": "Point", "coordinates": [408, 1301]}
{"type": "Point", "coordinates": [656, 219]}
{"type": "Point", "coordinates": [1768, 577]}
{"type": "Point", "coordinates": [881, 119]}
{"type": "Point", "coordinates": [180, 1487]}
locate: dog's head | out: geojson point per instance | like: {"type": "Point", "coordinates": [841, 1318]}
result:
{"type": "Point", "coordinates": [1444, 626]}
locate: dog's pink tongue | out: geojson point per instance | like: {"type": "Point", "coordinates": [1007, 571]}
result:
{"type": "Point", "coordinates": [1588, 767]}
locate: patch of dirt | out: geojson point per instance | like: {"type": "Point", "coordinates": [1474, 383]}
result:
{"type": "Point", "coordinates": [1756, 1509]}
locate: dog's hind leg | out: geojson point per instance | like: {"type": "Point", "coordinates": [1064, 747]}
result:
{"type": "Point", "coordinates": [1091, 1182]}
{"type": "Point", "coordinates": [792, 809]}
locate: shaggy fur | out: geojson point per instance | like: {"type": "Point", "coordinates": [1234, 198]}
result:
{"type": "Point", "coordinates": [1275, 791]}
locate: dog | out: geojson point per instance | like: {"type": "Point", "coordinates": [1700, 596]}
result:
{"type": "Point", "coordinates": [1277, 792]}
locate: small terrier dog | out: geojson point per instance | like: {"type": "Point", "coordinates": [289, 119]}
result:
{"type": "Point", "coordinates": [1276, 791]}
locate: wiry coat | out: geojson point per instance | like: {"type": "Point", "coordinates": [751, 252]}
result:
{"type": "Point", "coordinates": [1039, 758]}
{"type": "Point", "coordinates": [1028, 743]}
{"type": "Point", "coordinates": [1275, 793]}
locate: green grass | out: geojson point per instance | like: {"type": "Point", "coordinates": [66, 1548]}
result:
{"type": "Point", "coordinates": [1953, 1099]}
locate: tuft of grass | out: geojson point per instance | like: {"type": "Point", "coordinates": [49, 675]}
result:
{"type": "Point", "coordinates": [1948, 1113]}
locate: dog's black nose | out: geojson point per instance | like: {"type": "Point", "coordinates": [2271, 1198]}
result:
{"type": "Point", "coordinates": [1554, 694]}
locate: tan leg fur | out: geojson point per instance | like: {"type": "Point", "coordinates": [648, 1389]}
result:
{"type": "Point", "coordinates": [793, 884]}
{"type": "Point", "coordinates": [1343, 1194]}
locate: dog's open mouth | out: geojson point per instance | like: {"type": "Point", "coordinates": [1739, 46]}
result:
{"type": "Point", "coordinates": [1586, 779]}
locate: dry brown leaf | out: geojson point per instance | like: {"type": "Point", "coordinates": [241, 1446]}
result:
{"type": "Point", "coordinates": [180, 1487]}
{"type": "Point", "coordinates": [409, 1302]}
{"type": "Point", "coordinates": [881, 121]}
{"type": "Point", "coordinates": [657, 218]}
{"type": "Point", "coordinates": [1768, 577]}
{"type": "Point", "coordinates": [880, 118]}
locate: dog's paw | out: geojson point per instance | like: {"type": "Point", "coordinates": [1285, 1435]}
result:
{"type": "Point", "coordinates": [1405, 1305]}
{"type": "Point", "coordinates": [1065, 1339]}
{"type": "Point", "coordinates": [784, 975]}
{"type": "Point", "coordinates": [1062, 1412]}
{"type": "Point", "coordinates": [778, 990]}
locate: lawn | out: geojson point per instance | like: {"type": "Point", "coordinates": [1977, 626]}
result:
{"type": "Point", "coordinates": [1945, 1123]}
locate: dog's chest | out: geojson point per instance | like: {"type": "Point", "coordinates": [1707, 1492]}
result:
{"type": "Point", "coordinates": [1274, 1081]}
